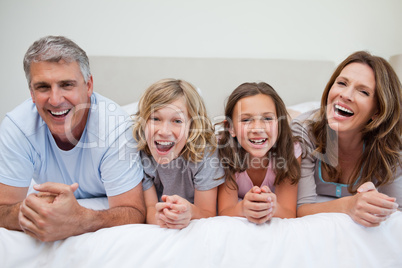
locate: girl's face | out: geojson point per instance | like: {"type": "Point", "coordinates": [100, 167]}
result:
{"type": "Point", "coordinates": [166, 131]}
{"type": "Point", "coordinates": [255, 124]}
{"type": "Point", "coordinates": [351, 100]}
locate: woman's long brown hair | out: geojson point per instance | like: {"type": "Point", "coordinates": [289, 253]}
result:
{"type": "Point", "coordinates": [382, 135]}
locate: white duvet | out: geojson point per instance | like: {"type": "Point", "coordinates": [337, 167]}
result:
{"type": "Point", "coordinates": [322, 240]}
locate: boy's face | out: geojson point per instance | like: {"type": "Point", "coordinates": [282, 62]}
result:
{"type": "Point", "coordinates": [167, 130]}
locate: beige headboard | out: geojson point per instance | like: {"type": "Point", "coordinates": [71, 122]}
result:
{"type": "Point", "coordinates": [124, 79]}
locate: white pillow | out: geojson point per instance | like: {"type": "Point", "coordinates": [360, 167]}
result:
{"type": "Point", "coordinates": [305, 106]}
{"type": "Point", "coordinates": [297, 109]}
{"type": "Point", "coordinates": [131, 108]}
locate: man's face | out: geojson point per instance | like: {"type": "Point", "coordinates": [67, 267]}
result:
{"type": "Point", "coordinates": [62, 98]}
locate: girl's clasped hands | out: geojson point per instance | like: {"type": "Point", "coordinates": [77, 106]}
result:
{"type": "Point", "coordinates": [259, 204]}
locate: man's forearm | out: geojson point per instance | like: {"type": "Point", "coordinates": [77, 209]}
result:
{"type": "Point", "coordinates": [94, 220]}
{"type": "Point", "coordinates": [9, 216]}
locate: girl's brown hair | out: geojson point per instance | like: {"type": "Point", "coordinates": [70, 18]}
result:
{"type": "Point", "coordinates": [231, 153]}
{"type": "Point", "coordinates": [382, 135]}
{"type": "Point", "coordinates": [161, 94]}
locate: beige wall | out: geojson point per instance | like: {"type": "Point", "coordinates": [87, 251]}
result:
{"type": "Point", "coordinates": [292, 29]}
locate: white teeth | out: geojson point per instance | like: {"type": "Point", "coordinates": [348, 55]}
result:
{"type": "Point", "coordinates": [343, 109]}
{"type": "Point", "coordinates": [260, 141]}
{"type": "Point", "coordinates": [59, 113]}
{"type": "Point", "coordinates": [165, 143]}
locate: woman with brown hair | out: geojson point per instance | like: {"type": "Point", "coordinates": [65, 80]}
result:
{"type": "Point", "coordinates": [351, 159]}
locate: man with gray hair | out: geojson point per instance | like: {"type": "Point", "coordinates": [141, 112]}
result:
{"type": "Point", "coordinates": [72, 141]}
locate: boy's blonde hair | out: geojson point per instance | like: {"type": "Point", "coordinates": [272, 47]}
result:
{"type": "Point", "coordinates": [164, 92]}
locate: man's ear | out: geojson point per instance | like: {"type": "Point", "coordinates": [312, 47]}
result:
{"type": "Point", "coordinates": [90, 85]}
{"type": "Point", "coordinates": [32, 95]}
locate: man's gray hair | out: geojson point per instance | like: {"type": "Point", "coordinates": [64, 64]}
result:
{"type": "Point", "coordinates": [54, 49]}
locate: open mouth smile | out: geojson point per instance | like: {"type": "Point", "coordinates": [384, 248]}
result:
{"type": "Point", "coordinates": [60, 113]}
{"type": "Point", "coordinates": [258, 141]}
{"type": "Point", "coordinates": [164, 146]}
{"type": "Point", "coordinates": [342, 111]}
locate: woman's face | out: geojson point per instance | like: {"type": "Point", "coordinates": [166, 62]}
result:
{"type": "Point", "coordinates": [255, 124]}
{"type": "Point", "coordinates": [167, 130]}
{"type": "Point", "coordinates": [351, 100]}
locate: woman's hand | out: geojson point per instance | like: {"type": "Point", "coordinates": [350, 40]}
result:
{"type": "Point", "coordinates": [369, 207]}
{"type": "Point", "coordinates": [259, 204]}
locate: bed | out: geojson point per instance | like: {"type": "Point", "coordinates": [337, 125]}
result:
{"type": "Point", "coordinates": [322, 240]}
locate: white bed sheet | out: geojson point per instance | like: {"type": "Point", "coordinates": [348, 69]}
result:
{"type": "Point", "coordinates": [322, 240]}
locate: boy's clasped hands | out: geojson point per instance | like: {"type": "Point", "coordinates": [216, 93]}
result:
{"type": "Point", "coordinates": [174, 212]}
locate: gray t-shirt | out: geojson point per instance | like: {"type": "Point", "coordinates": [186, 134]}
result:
{"type": "Point", "coordinates": [182, 177]}
{"type": "Point", "coordinates": [312, 188]}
